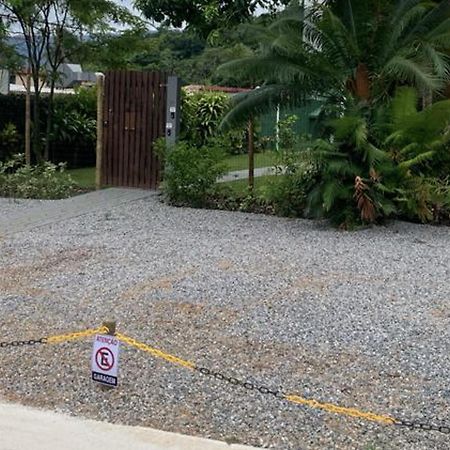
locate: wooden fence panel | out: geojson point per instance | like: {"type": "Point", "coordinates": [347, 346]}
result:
{"type": "Point", "coordinates": [134, 117]}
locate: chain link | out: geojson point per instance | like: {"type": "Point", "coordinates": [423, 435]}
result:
{"type": "Point", "coordinates": [352, 412]}
{"type": "Point", "coordinates": [412, 425]}
{"type": "Point", "coordinates": [237, 382]}
{"type": "Point", "coordinates": [249, 386]}
{"type": "Point", "coordinates": [56, 339]}
{"type": "Point", "coordinates": [42, 340]}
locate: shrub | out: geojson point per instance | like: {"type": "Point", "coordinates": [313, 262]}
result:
{"type": "Point", "coordinates": [74, 128]}
{"type": "Point", "coordinates": [9, 141]}
{"type": "Point", "coordinates": [190, 173]}
{"type": "Point", "coordinates": [80, 109]}
{"type": "Point", "coordinates": [381, 164]}
{"type": "Point", "coordinates": [201, 116]}
{"type": "Point", "coordinates": [43, 181]}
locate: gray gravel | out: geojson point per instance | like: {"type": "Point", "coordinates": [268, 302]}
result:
{"type": "Point", "coordinates": [360, 319]}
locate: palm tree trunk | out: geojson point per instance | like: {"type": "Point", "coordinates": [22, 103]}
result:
{"type": "Point", "coordinates": [362, 82]}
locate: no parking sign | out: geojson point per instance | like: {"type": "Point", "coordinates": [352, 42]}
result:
{"type": "Point", "coordinates": [105, 359]}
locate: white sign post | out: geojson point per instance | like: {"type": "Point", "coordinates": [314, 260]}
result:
{"type": "Point", "coordinates": [105, 359]}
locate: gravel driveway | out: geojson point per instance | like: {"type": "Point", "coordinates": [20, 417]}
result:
{"type": "Point", "coordinates": [359, 319]}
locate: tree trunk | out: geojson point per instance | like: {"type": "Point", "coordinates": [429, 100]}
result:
{"type": "Point", "coordinates": [28, 121]}
{"type": "Point", "coordinates": [48, 131]}
{"type": "Point", "coordinates": [251, 155]}
{"type": "Point", "coordinates": [362, 82]}
{"type": "Point", "coordinates": [36, 120]}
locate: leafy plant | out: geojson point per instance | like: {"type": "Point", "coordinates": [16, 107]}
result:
{"type": "Point", "coordinates": [9, 141]}
{"type": "Point", "coordinates": [202, 114]}
{"type": "Point", "coordinates": [43, 181]}
{"type": "Point", "coordinates": [348, 51]}
{"type": "Point", "coordinates": [361, 177]}
{"type": "Point", "coordinates": [190, 173]}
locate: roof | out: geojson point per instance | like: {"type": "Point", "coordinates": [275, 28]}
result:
{"type": "Point", "coordinates": [20, 89]}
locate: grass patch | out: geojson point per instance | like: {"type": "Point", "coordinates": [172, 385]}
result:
{"type": "Point", "coordinates": [240, 187]}
{"type": "Point", "coordinates": [85, 178]}
{"type": "Point", "coordinates": [240, 162]}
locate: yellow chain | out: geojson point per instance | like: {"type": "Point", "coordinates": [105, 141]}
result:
{"type": "Point", "coordinates": [155, 352]}
{"type": "Point", "coordinates": [353, 412]}
{"type": "Point", "coordinates": [290, 398]}
{"type": "Point", "coordinates": [57, 339]}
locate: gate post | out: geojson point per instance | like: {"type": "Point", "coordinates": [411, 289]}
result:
{"type": "Point", "coordinates": [99, 145]}
{"type": "Point", "coordinates": [173, 110]}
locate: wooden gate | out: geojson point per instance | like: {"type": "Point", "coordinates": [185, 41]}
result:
{"type": "Point", "coordinates": [134, 114]}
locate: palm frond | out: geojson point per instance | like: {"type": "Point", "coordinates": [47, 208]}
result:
{"type": "Point", "coordinates": [262, 100]}
{"type": "Point", "coordinates": [410, 71]}
{"type": "Point", "coordinates": [404, 17]}
{"type": "Point", "coordinates": [403, 105]}
{"type": "Point", "coordinates": [422, 157]}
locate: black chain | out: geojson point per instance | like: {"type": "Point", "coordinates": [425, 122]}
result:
{"type": "Point", "coordinates": [22, 343]}
{"type": "Point", "coordinates": [236, 382]}
{"type": "Point", "coordinates": [281, 395]}
{"type": "Point", "coordinates": [278, 393]}
{"type": "Point", "coordinates": [423, 426]}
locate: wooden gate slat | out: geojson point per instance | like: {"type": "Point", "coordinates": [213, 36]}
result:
{"type": "Point", "coordinates": [127, 176]}
{"type": "Point", "coordinates": [105, 106]}
{"type": "Point", "coordinates": [134, 146]}
{"type": "Point", "coordinates": [140, 120]}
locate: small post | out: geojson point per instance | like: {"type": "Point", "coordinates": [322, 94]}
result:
{"type": "Point", "coordinates": [277, 130]}
{"type": "Point", "coordinates": [173, 110]}
{"type": "Point", "coordinates": [111, 325]}
{"type": "Point", "coordinates": [251, 155]}
{"type": "Point", "coordinates": [99, 144]}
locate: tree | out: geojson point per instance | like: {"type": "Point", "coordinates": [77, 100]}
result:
{"type": "Point", "coordinates": [356, 55]}
{"type": "Point", "coordinates": [204, 16]}
{"type": "Point", "coordinates": [47, 26]}
{"type": "Point", "coordinates": [351, 50]}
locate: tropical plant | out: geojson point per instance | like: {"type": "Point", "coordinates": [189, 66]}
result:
{"type": "Point", "coordinates": [377, 165]}
{"type": "Point", "coordinates": [350, 50]}
{"type": "Point", "coordinates": [201, 116]}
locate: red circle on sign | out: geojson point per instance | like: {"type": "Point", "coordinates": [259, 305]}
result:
{"type": "Point", "coordinates": [104, 358]}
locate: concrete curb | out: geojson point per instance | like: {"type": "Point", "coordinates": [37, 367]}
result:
{"type": "Point", "coordinates": [23, 427]}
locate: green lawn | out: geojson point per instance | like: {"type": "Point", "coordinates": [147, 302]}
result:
{"type": "Point", "coordinates": [240, 187]}
{"type": "Point", "coordinates": [85, 178]}
{"type": "Point", "coordinates": [240, 162]}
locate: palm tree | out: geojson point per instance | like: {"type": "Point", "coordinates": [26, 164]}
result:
{"type": "Point", "coordinates": [347, 50]}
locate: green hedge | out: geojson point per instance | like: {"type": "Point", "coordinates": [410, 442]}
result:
{"type": "Point", "coordinates": [73, 131]}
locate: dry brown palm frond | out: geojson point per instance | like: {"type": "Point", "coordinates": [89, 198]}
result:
{"type": "Point", "coordinates": [363, 201]}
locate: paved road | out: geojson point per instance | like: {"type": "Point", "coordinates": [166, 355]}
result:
{"type": "Point", "coordinates": [60, 210]}
{"type": "Point", "coordinates": [22, 427]}
{"type": "Point", "coordinates": [243, 174]}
